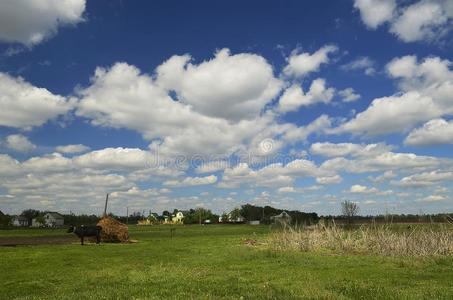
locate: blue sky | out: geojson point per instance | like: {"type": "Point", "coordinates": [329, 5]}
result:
{"type": "Point", "coordinates": [170, 104]}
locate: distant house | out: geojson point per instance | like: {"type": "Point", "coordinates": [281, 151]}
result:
{"type": "Point", "coordinates": [53, 219]}
{"type": "Point", "coordinates": [256, 222]}
{"type": "Point", "coordinates": [283, 218]}
{"type": "Point", "coordinates": [152, 219]}
{"type": "Point", "coordinates": [177, 218]}
{"type": "Point", "coordinates": [19, 221]}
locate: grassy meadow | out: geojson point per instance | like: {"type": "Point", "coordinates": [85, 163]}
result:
{"type": "Point", "coordinates": [212, 262]}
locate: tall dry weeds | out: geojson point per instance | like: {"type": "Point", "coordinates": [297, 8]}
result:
{"type": "Point", "coordinates": [376, 239]}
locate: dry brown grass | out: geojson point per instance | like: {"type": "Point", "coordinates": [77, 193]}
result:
{"type": "Point", "coordinates": [377, 239]}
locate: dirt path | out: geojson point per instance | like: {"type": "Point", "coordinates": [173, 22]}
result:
{"type": "Point", "coordinates": [38, 240]}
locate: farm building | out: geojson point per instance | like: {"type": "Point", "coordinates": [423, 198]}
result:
{"type": "Point", "coordinates": [19, 221]}
{"type": "Point", "coordinates": [282, 218]}
{"type": "Point", "coordinates": [53, 219]}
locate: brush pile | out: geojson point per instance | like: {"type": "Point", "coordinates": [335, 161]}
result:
{"type": "Point", "coordinates": [113, 231]}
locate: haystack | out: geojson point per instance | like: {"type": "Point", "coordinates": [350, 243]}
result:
{"type": "Point", "coordinates": [113, 231]}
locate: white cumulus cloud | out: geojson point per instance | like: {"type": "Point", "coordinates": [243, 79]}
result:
{"type": "Point", "coordinates": [434, 132]}
{"type": "Point", "coordinates": [24, 105]}
{"type": "Point", "coordinates": [76, 148]}
{"type": "Point", "coordinates": [301, 64]}
{"type": "Point", "coordinates": [29, 22]}
{"type": "Point", "coordinates": [19, 142]}
{"type": "Point", "coordinates": [294, 97]}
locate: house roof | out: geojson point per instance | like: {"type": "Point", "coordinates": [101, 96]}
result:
{"type": "Point", "coordinates": [283, 214]}
{"type": "Point", "coordinates": [20, 218]}
{"type": "Point", "coordinates": [55, 215]}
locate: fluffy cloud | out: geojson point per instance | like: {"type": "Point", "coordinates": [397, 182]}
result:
{"type": "Point", "coordinates": [78, 148]}
{"type": "Point", "coordinates": [79, 183]}
{"type": "Point", "coordinates": [425, 20]}
{"type": "Point", "coordinates": [122, 97]}
{"type": "Point", "coordinates": [272, 175]}
{"type": "Point", "coordinates": [375, 12]}
{"type": "Point", "coordinates": [362, 63]}
{"type": "Point", "coordinates": [345, 149]}
{"type": "Point", "coordinates": [192, 181]}
{"type": "Point", "coordinates": [230, 118]}
{"type": "Point", "coordinates": [392, 114]}
{"type": "Point", "coordinates": [387, 175]}
{"type": "Point", "coordinates": [116, 159]}
{"type": "Point", "coordinates": [212, 166]}
{"type": "Point", "coordinates": [19, 143]}
{"type": "Point", "coordinates": [291, 189]}
{"type": "Point", "coordinates": [31, 22]}
{"type": "Point", "coordinates": [47, 164]}
{"type": "Point", "coordinates": [360, 189]}
{"type": "Point", "coordinates": [292, 133]}
{"type": "Point", "coordinates": [304, 63]}
{"type": "Point", "coordinates": [434, 132]}
{"type": "Point", "coordinates": [232, 87]}
{"type": "Point", "coordinates": [425, 94]}
{"type": "Point", "coordinates": [382, 162]}
{"type": "Point", "coordinates": [424, 179]}
{"type": "Point", "coordinates": [349, 95]}
{"type": "Point", "coordinates": [294, 97]}
{"type": "Point", "coordinates": [329, 179]}
{"type": "Point", "coordinates": [8, 165]}
{"type": "Point", "coordinates": [24, 105]}
{"type": "Point", "coordinates": [433, 198]}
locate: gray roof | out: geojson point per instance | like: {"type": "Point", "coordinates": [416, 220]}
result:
{"type": "Point", "coordinates": [282, 215]}
{"type": "Point", "coordinates": [55, 215]}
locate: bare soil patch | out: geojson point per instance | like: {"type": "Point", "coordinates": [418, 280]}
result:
{"type": "Point", "coordinates": [37, 240]}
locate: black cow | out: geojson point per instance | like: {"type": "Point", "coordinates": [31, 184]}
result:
{"type": "Point", "coordinates": [83, 231]}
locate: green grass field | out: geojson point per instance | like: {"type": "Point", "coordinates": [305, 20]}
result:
{"type": "Point", "coordinates": [210, 262]}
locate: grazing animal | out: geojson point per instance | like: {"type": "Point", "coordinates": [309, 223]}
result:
{"type": "Point", "coordinates": [83, 231]}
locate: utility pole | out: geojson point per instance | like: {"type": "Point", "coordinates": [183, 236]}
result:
{"type": "Point", "coordinates": [105, 207]}
{"type": "Point", "coordinates": [127, 215]}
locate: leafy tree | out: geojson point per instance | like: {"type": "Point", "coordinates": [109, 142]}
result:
{"type": "Point", "coordinates": [30, 214]}
{"type": "Point", "coordinates": [4, 219]}
{"type": "Point", "coordinates": [235, 214]}
{"type": "Point", "coordinates": [225, 218]}
{"type": "Point", "coordinates": [40, 219]}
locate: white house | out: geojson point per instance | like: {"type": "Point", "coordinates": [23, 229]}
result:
{"type": "Point", "coordinates": [53, 219]}
{"type": "Point", "coordinates": [19, 221]}
{"type": "Point", "coordinates": [178, 217]}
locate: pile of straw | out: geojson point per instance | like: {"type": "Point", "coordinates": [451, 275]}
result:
{"type": "Point", "coordinates": [113, 231]}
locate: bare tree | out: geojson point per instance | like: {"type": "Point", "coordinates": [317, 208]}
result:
{"type": "Point", "coordinates": [349, 209]}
